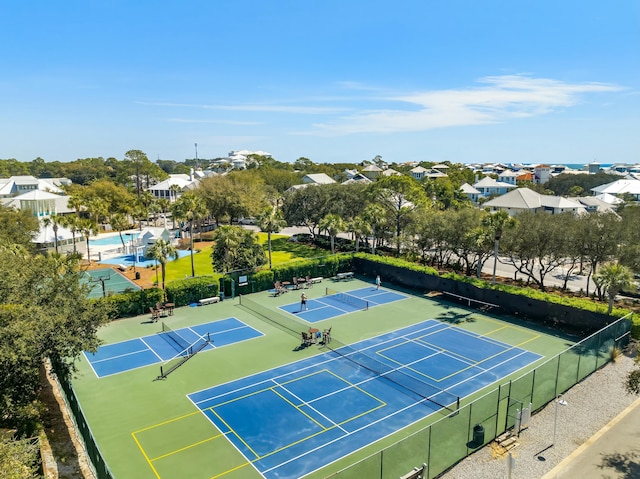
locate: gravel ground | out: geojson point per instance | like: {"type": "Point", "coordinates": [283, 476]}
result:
{"type": "Point", "coordinates": [590, 405]}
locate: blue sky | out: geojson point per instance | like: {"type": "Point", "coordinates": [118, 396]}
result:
{"type": "Point", "coordinates": [334, 81]}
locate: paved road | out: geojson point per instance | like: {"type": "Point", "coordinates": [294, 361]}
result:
{"type": "Point", "coordinates": [612, 453]}
{"type": "Point", "coordinates": [575, 283]}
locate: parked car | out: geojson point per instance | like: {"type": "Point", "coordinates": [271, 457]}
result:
{"type": "Point", "coordinates": [247, 221]}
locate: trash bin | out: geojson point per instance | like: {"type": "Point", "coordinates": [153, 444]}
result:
{"type": "Point", "coordinates": [137, 274]}
{"type": "Point", "coordinates": [221, 295]}
{"type": "Point", "coordinates": [478, 435]}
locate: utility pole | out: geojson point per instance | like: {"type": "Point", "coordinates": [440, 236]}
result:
{"type": "Point", "coordinates": [196, 155]}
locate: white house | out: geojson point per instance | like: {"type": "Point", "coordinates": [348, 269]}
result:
{"type": "Point", "coordinates": [41, 203]}
{"type": "Point", "coordinates": [487, 186]}
{"type": "Point", "coordinates": [18, 185]}
{"type": "Point", "coordinates": [173, 187]}
{"type": "Point", "coordinates": [541, 174]}
{"type": "Point", "coordinates": [629, 185]}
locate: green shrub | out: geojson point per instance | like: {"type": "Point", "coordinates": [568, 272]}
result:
{"type": "Point", "coordinates": [577, 303]}
{"type": "Point", "coordinates": [133, 303]}
{"type": "Point", "coordinates": [182, 292]}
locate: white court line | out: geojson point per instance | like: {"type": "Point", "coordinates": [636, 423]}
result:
{"type": "Point", "coordinates": [118, 356]}
{"type": "Point", "coordinates": [154, 351]}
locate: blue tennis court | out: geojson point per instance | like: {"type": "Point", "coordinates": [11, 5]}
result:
{"type": "Point", "coordinates": [295, 419]}
{"type": "Point", "coordinates": [337, 303]}
{"type": "Point", "coordinates": [160, 347]}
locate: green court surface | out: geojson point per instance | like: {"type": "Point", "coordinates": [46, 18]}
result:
{"type": "Point", "coordinates": [107, 281]}
{"type": "Point", "coordinates": [148, 428]}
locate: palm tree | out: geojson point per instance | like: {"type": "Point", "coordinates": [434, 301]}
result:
{"type": "Point", "coordinates": [97, 208]}
{"type": "Point", "coordinates": [55, 222]}
{"type": "Point", "coordinates": [163, 205]}
{"type": "Point", "coordinates": [613, 278]}
{"type": "Point", "coordinates": [71, 222]}
{"type": "Point", "coordinates": [88, 228]}
{"type": "Point", "coordinates": [360, 227]}
{"type": "Point", "coordinates": [119, 222]}
{"type": "Point", "coordinates": [374, 215]}
{"type": "Point", "coordinates": [271, 221]}
{"type": "Point", "coordinates": [173, 192]}
{"type": "Point", "coordinates": [333, 225]}
{"type": "Point", "coordinates": [161, 251]}
{"type": "Point", "coordinates": [228, 240]}
{"type": "Point", "coordinates": [190, 207]}
{"type": "Point", "coordinates": [76, 202]}
{"type": "Point", "coordinates": [495, 225]}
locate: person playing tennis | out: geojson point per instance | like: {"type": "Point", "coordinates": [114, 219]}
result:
{"type": "Point", "coordinates": [378, 281]}
{"type": "Point", "coordinates": [303, 302]}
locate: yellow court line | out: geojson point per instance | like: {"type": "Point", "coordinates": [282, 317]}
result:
{"type": "Point", "coordinates": [299, 378]}
{"type": "Point", "coordinates": [187, 447]}
{"type": "Point", "coordinates": [232, 431]}
{"type": "Point", "coordinates": [528, 340]}
{"type": "Point", "coordinates": [166, 422]}
{"type": "Point", "coordinates": [298, 408]}
{"type": "Point", "coordinates": [228, 471]}
{"type": "Point", "coordinates": [145, 455]}
{"type": "Point", "coordinates": [323, 428]}
{"type": "Point", "coordinates": [358, 388]}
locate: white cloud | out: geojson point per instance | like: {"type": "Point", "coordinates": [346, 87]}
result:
{"type": "Point", "coordinates": [498, 99]}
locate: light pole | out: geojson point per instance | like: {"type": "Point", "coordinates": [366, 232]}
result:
{"type": "Point", "coordinates": [196, 155]}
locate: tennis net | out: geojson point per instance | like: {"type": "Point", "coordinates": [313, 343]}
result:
{"type": "Point", "coordinates": [348, 299]}
{"type": "Point", "coordinates": [173, 338]}
{"type": "Point", "coordinates": [287, 324]}
{"type": "Point", "coordinates": [404, 378]}
{"type": "Point", "coordinates": [183, 356]}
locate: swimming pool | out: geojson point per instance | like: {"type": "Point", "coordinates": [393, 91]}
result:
{"type": "Point", "coordinates": [113, 240]}
{"type": "Point", "coordinates": [141, 262]}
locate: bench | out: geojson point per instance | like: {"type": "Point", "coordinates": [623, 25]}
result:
{"type": "Point", "coordinates": [347, 275]}
{"type": "Point", "coordinates": [417, 473]}
{"type": "Point", "coordinates": [211, 300]}
{"type": "Point", "coordinates": [316, 280]}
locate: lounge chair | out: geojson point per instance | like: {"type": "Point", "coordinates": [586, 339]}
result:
{"type": "Point", "coordinates": [278, 288]}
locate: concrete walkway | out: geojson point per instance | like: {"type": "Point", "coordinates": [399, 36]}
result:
{"type": "Point", "coordinates": [611, 453]}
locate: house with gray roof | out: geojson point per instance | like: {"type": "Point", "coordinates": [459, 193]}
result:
{"type": "Point", "coordinates": [524, 199]}
{"type": "Point", "coordinates": [473, 194]}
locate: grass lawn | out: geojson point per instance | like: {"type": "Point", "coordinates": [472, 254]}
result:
{"type": "Point", "coordinates": [282, 251]}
